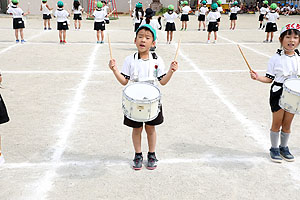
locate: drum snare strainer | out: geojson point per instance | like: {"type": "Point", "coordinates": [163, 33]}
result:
{"type": "Point", "coordinates": [141, 101]}
{"type": "Point", "coordinates": [290, 98]}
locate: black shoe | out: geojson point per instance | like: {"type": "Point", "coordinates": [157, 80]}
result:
{"type": "Point", "coordinates": [286, 154]}
{"type": "Point", "coordinates": [137, 162]}
{"type": "Point", "coordinates": [275, 155]}
{"type": "Point", "coordinates": [152, 162]}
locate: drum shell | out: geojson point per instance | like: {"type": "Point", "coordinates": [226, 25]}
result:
{"type": "Point", "coordinates": [140, 110]}
{"type": "Point", "coordinates": [290, 100]}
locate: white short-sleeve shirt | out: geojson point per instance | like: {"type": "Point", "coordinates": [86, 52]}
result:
{"type": "Point", "coordinates": [170, 17]}
{"type": "Point", "coordinates": [203, 10]}
{"type": "Point", "coordinates": [137, 20]}
{"type": "Point", "coordinates": [272, 17]}
{"type": "Point", "coordinates": [77, 11]}
{"type": "Point", "coordinates": [61, 15]}
{"type": "Point", "coordinates": [15, 11]}
{"type": "Point", "coordinates": [220, 9]}
{"type": "Point", "coordinates": [234, 9]}
{"type": "Point", "coordinates": [186, 10]}
{"type": "Point", "coordinates": [282, 67]}
{"type": "Point", "coordinates": [263, 10]}
{"type": "Point", "coordinates": [213, 16]}
{"type": "Point", "coordinates": [99, 15]}
{"type": "Point", "coordinates": [45, 10]}
{"type": "Point", "coordinates": [136, 69]}
{"type": "Point", "coordinates": [153, 22]}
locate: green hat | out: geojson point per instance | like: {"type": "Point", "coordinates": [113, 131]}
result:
{"type": "Point", "coordinates": [147, 27]}
{"type": "Point", "coordinates": [203, 2]}
{"type": "Point", "coordinates": [60, 3]}
{"type": "Point", "coordinates": [139, 5]}
{"type": "Point", "coordinates": [44, 0]}
{"type": "Point", "coordinates": [273, 6]}
{"type": "Point", "coordinates": [75, 0]}
{"type": "Point", "coordinates": [186, 3]}
{"type": "Point", "coordinates": [235, 3]}
{"type": "Point", "coordinates": [265, 2]}
{"type": "Point", "coordinates": [15, 1]}
{"type": "Point", "coordinates": [214, 6]}
{"type": "Point", "coordinates": [99, 4]}
{"type": "Point", "coordinates": [171, 7]}
{"type": "Point", "coordinates": [219, 2]}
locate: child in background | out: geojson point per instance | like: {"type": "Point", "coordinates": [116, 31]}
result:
{"type": "Point", "coordinates": [282, 66]}
{"type": "Point", "coordinates": [170, 26]}
{"type": "Point", "coordinates": [185, 14]}
{"type": "Point", "coordinates": [18, 22]}
{"type": "Point", "coordinates": [138, 15]}
{"type": "Point", "coordinates": [212, 17]}
{"type": "Point", "coordinates": [202, 13]}
{"type": "Point", "coordinates": [77, 10]}
{"type": "Point", "coordinates": [233, 15]}
{"type": "Point", "coordinates": [46, 14]}
{"type": "Point", "coordinates": [271, 24]}
{"type": "Point", "coordinates": [262, 14]}
{"type": "Point", "coordinates": [62, 21]}
{"type": "Point", "coordinates": [146, 63]}
{"type": "Point", "coordinates": [99, 24]}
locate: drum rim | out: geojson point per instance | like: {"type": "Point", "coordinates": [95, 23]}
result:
{"type": "Point", "coordinates": [288, 89]}
{"type": "Point", "coordinates": [142, 101]}
{"type": "Point", "coordinates": [287, 110]}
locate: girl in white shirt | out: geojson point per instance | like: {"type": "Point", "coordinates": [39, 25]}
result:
{"type": "Point", "coordinates": [202, 13]}
{"type": "Point", "coordinates": [185, 14]}
{"type": "Point", "coordinates": [77, 10]}
{"type": "Point", "coordinates": [18, 23]}
{"type": "Point", "coordinates": [233, 15]}
{"type": "Point", "coordinates": [46, 14]}
{"type": "Point", "coordinates": [262, 13]}
{"type": "Point", "coordinates": [282, 66]}
{"type": "Point", "coordinates": [170, 16]}
{"type": "Point", "coordinates": [271, 24]}
{"type": "Point", "coordinates": [212, 18]}
{"type": "Point", "coordinates": [138, 15]}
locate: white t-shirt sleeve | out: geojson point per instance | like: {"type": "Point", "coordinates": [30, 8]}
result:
{"type": "Point", "coordinates": [271, 65]}
{"type": "Point", "coordinates": [126, 67]}
{"type": "Point", "coordinates": [161, 68]}
{"type": "Point", "coordinates": [9, 11]}
{"type": "Point", "coordinates": [55, 13]}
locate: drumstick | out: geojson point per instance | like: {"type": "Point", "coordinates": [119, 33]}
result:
{"type": "Point", "coordinates": [177, 49]}
{"type": "Point", "coordinates": [0, 145]}
{"type": "Point", "coordinates": [110, 52]}
{"type": "Point", "coordinates": [245, 58]}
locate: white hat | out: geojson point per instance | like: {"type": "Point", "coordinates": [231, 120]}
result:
{"type": "Point", "coordinates": [290, 26]}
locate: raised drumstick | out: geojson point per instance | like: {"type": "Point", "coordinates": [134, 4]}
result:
{"type": "Point", "coordinates": [245, 58]}
{"type": "Point", "coordinates": [109, 46]}
{"type": "Point", "coordinates": [177, 49]}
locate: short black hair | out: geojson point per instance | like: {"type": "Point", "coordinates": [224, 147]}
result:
{"type": "Point", "coordinates": [289, 32]}
{"type": "Point", "coordinates": [147, 29]}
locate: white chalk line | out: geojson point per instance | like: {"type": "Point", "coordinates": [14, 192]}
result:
{"type": "Point", "coordinates": [15, 44]}
{"type": "Point", "coordinates": [44, 184]}
{"type": "Point", "coordinates": [109, 72]}
{"type": "Point", "coordinates": [251, 127]}
{"type": "Point", "coordinates": [210, 158]}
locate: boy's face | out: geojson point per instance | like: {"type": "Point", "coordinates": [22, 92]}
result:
{"type": "Point", "coordinates": [144, 40]}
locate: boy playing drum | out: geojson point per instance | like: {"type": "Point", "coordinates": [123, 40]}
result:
{"type": "Point", "coordinates": [149, 67]}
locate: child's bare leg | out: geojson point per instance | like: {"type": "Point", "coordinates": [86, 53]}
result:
{"type": "Point", "coordinates": [45, 23]}
{"type": "Point", "coordinates": [60, 35]}
{"type": "Point", "coordinates": [234, 23]}
{"type": "Point", "coordinates": [168, 36]}
{"type": "Point", "coordinates": [215, 33]}
{"type": "Point", "coordinates": [185, 23]}
{"type": "Point", "coordinates": [49, 23]}
{"type": "Point", "coordinates": [64, 34]}
{"type": "Point", "coordinates": [204, 25]}
{"type": "Point", "coordinates": [200, 25]}
{"type": "Point", "coordinates": [272, 35]}
{"type": "Point", "coordinates": [102, 35]}
{"type": "Point", "coordinates": [151, 136]}
{"type": "Point", "coordinates": [137, 139]}
{"type": "Point", "coordinates": [75, 24]}
{"type": "Point", "coordinates": [208, 36]}
{"type": "Point", "coordinates": [98, 35]}
{"type": "Point", "coordinates": [16, 34]}
{"type": "Point", "coordinates": [268, 36]}
{"type": "Point", "coordinates": [79, 24]}
{"type": "Point", "coordinates": [287, 121]}
{"type": "Point", "coordinates": [182, 24]}
{"type": "Point", "coordinates": [21, 33]}
{"type": "Point", "coordinates": [171, 36]}
{"type": "Point", "coordinates": [277, 120]}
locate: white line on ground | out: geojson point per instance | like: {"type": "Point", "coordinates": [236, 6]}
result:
{"type": "Point", "coordinates": [14, 45]}
{"type": "Point", "coordinates": [109, 72]}
{"type": "Point", "coordinates": [210, 158]}
{"type": "Point", "coordinates": [44, 184]}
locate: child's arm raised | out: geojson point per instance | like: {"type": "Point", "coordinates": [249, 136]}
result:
{"type": "Point", "coordinates": [262, 79]}
{"type": "Point", "coordinates": [118, 75]}
{"type": "Point", "coordinates": [167, 77]}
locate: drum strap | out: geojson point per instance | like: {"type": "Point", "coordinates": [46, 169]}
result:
{"type": "Point", "coordinates": [153, 61]}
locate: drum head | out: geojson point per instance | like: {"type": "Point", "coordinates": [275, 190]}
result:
{"type": "Point", "coordinates": [142, 91]}
{"type": "Point", "coordinates": [293, 84]}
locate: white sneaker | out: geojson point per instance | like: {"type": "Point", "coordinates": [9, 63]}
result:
{"type": "Point", "coordinates": [208, 41]}
{"type": "Point", "coordinates": [215, 42]}
{"type": "Point", "coordinates": [170, 42]}
{"type": "Point", "coordinates": [2, 161]}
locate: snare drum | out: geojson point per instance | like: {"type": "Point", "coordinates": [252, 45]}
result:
{"type": "Point", "coordinates": [290, 98]}
{"type": "Point", "coordinates": [141, 101]}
